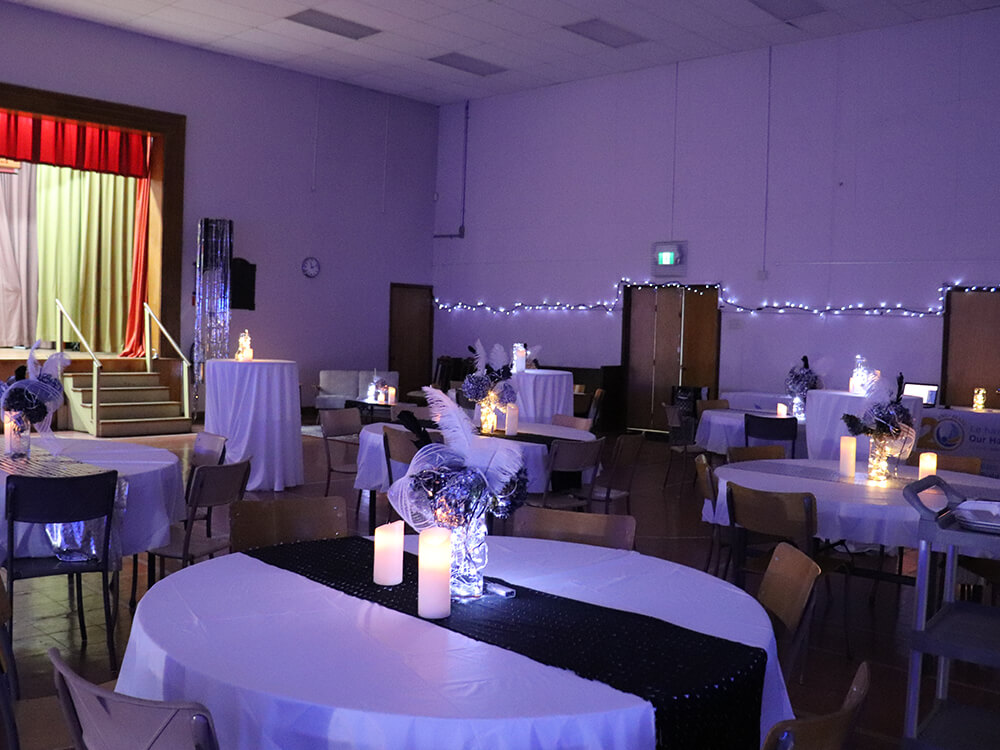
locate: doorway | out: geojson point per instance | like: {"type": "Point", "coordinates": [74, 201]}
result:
{"type": "Point", "coordinates": [670, 337]}
{"type": "Point", "coordinates": [411, 334]}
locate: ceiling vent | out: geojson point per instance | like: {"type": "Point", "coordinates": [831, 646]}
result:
{"type": "Point", "coordinates": [468, 64]}
{"type": "Point", "coordinates": [789, 10]}
{"type": "Point", "coordinates": [605, 33]}
{"type": "Point", "coordinates": [317, 19]}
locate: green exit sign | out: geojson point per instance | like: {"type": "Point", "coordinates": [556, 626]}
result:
{"type": "Point", "coordinates": [669, 258]}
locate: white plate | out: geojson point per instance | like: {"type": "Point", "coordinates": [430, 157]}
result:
{"type": "Point", "coordinates": [979, 515]}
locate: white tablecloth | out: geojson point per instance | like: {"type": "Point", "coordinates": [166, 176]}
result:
{"type": "Point", "coordinates": [858, 511]}
{"type": "Point", "coordinates": [721, 429]}
{"type": "Point", "coordinates": [824, 412]}
{"type": "Point", "coordinates": [155, 494]}
{"type": "Point", "coordinates": [283, 662]}
{"type": "Point", "coordinates": [256, 406]}
{"type": "Point", "coordinates": [542, 393]}
{"type": "Point", "coordinates": [372, 473]}
{"type": "Point", "coordinates": [757, 401]}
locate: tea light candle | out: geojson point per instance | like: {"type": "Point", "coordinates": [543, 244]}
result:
{"type": "Point", "coordinates": [782, 410]}
{"type": "Point", "coordinates": [928, 464]}
{"type": "Point", "coordinates": [851, 386]}
{"type": "Point", "coordinates": [510, 427]}
{"type": "Point", "coordinates": [979, 399]}
{"type": "Point", "coordinates": [434, 573]}
{"type": "Point", "coordinates": [388, 568]}
{"type": "Point", "coordinates": [392, 394]}
{"type": "Point", "coordinates": [848, 456]}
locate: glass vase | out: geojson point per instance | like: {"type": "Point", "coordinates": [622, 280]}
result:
{"type": "Point", "coordinates": [799, 407]}
{"type": "Point", "coordinates": [878, 458]}
{"type": "Point", "coordinates": [16, 434]}
{"type": "Point", "coordinates": [468, 558]}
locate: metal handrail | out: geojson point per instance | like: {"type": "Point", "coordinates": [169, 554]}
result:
{"type": "Point", "coordinates": [186, 374]}
{"type": "Point", "coordinates": [95, 365]}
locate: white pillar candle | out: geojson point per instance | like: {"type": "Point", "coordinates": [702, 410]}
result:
{"type": "Point", "coordinates": [782, 410]}
{"type": "Point", "coordinates": [848, 456]}
{"type": "Point", "coordinates": [392, 394]}
{"type": "Point", "coordinates": [512, 417]}
{"type": "Point", "coordinates": [434, 573]}
{"type": "Point", "coordinates": [388, 568]}
{"type": "Point", "coordinates": [928, 464]}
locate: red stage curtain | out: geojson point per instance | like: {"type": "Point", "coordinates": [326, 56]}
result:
{"type": "Point", "coordinates": [45, 140]}
{"type": "Point", "coordinates": [134, 328]}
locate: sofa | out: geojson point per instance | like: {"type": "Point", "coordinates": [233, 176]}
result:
{"type": "Point", "coordinates": [336, 387]}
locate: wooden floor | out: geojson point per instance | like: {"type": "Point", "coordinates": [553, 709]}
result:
{"type": "Point", "coordinates": [668, 526]}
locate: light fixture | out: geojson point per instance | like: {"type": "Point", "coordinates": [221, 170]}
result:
{"type": "Point", "coordinates": [605, 33]}
{"type": "Point", "coordinates": [317, 19]}
{"type": "Point", "coordinates": [468, 64]}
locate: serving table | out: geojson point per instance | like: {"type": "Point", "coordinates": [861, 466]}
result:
{"type": "Point", "coordinates": [255, 404]}
{"type": "Point", "coordinates": [285, 662]}
{"type": "Point", "coordinates": [155, 489]}
{"type": "Point", "coordinates": [543, 393]}
{"type": "Point", "coordinates": [858, 511]}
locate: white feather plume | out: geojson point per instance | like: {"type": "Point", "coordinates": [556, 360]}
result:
{"type": "Point", "coordinates": [481, 358]}
{"type": "Point", "coordinates": [533, 352]}
{"type": "Point", "coordinates": [498, 357]}
{"type": "Point", "coordinates": [499, 460]}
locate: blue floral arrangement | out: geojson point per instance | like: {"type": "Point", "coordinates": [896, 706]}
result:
{"type": "Point", "coordinates": [31, 396]}
{"type": "Point", "coordinates": [489, 377]}
{"type": "Point", "coordinates": [882, 419]}
{"type": "Point", "coordinates": [801, 379]}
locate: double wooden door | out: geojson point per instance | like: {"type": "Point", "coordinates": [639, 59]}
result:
{"type": "Point", "coordinates": [670, 337]}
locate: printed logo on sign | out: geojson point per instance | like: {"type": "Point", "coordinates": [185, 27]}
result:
{"type": "Point", "coordinates": [949, 433]}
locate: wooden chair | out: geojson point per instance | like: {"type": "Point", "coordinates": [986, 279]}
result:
{"type": "Point", "coordinates": [28, 724]}
{"type": "Point", "coordinates": [209, 486]}
{"type": "Point", "coordinates": [101, 718]}
{"type": "Point", "coordinates": [209, 450]}
{"type": "Point", "coordinates": [614, 483]}
{"type": "Point", "coordinates": [947, 462]}
{"type": "Point", "coordinates": [738, 453]}
{"type": "Point", "coordinates": [828, 732]}
{"type": "Point", "coordinates": [571, 456]}
{"type": "Point", "coordinates": [779, 429]}
{"type": "Point", "coordinates": [703, 406]}
{"type": "Point", "coordinates": [707, 487]}
{"type": "Point", "coordinates": [761, 518]}
{"type": "Point", "coordinates": [583, 528]}
{"type": "Point", "coordinates": [681, 438]}
{"type": "Point", "coordinates": [64, 500]}
{"type": "Point", "coordinates": [579, 423]}
{"type": "Point", "coordinates": [263, 523]}
{"type": "Point", "coordinates": [343, 427]}
{"type": "Point", "coordinates": [786, 594]}
{"type": "Point", "coordinates": [595, 407]}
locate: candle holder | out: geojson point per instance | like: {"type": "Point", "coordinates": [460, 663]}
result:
{"type": "Point", "coordinates": [979, 399]}
{"type": "Point", "coordinates": [16, 434]}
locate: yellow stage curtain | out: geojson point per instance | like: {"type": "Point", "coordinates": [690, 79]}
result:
{"type": "Point", "coordinates": [85, 226]}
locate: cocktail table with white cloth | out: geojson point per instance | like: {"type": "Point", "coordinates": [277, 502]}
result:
{"type": "Point", "coordinates": [860, 511]}
{"type": "Point", "coordinates": [155, 491]}
{"type": "Point", "coordinates": [373, 475]}
{"type": "Point", "coordinates": [722, 429]}
{"type": "Point", "coordinates": [284, 662]}
{"type": "Point", "coordinates": [542, 393]}
{"type": "Point", "coordinates": [255, 404]}
{"type": "Point", "coordinates": [824, 413]}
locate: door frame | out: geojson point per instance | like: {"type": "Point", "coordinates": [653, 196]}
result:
{"type": "Point", "coordinates": [430, 325]}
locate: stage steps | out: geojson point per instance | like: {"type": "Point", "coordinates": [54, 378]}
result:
{"type": "Point", "coordinates": [131, 403]}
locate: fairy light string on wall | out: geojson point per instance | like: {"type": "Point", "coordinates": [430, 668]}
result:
{"type": "Point", "coordinates": [726, 303]}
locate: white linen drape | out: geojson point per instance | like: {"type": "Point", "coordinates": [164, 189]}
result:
{"type": "Point", "coordinates": [18, 257]}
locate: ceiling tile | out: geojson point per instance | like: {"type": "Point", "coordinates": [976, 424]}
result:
{"type": "Point", "coordinates": [467, 26]}
{"type": "Point", "coordinates": [827, 24]}
{"type": "Point", "coordinates": [418, 10]}
{"type": "Point", "coordinates": [935, 8]}
{"type": "Point", "coordinates": [876, 14]}
{"type": "Point", "coordinates": [506, 18]}
{"type": "Point", "coordinates": [218, 9]}
{"type": "Point", "coordinates": [554, 12]}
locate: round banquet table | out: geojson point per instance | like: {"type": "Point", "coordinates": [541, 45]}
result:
{"type": "Point", "coordinates": [155, 493]}
{"type": "Point", "coordinates": [857, 511]}
{"type": "Point", "coordinates": [721, 429]}
{"type": "Point", "coordinates": [255, 404]}
{"type": "Point", "coordinates": [284, 662]}
{"type": "Point", "coordinates": [373, 475]}
{"type": "Point", "coordinates": [542, 393]}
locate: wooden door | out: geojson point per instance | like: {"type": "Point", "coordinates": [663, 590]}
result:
{"type": "Point", "coordinates": [411, 335]}
{"type": "Point", "coordinates": [971, 360]}
{"type": "Point", "coordinates": [700, 350]}
{"type": "Point", "coordinates": [651, 355]}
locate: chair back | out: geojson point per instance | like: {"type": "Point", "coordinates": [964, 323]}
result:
{"type": "Point", "coordinates": [705, 481]}
{"type": "Point", "coordinates": [211, 486]}
{"type": "Point", "coordinates": [596, 405]}
{"type": "Point", "coordinates": [574, 455]}
{"type": "Point", "coordinates": [209, 449]}
{"type": "Point", "coordinates": [703, 406]}
{"type": "Point", "coordinates": [738, 453]}
{"type": "Point", "coordinates": [423, 413]}
{"type": "Point", "coordinates": [340, 422]}
{"type": "Point", "coordinates": [100, 718]}
{"type": "Point", "coordinates": [579, 423]}
{"type": "Point", "coordinates": [60, 499]}
{"type": "Point", "coordinates": [760, 427]}
{"type": "Point", "coordinates": [682, 427]}
{"type": "Point", "coordinates": [787, 515]}
{"type": "Point", "coordinates": [601, 530]}
{"type": "Point", "coordinates": [787, 585]}
{"type": "Point", "coordinates": [830, 731]}
{"type": "Point", "coordinates": [399, 447]}
{"type": "Point", "coordinates": [946, 462]}
{"type": "Point", "coordinates": [262, 523]}
{"type": "Point", "coordinates": [624, 461]}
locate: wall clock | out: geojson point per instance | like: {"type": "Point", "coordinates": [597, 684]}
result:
{"type": "Point", "coordinates": [310, 267]}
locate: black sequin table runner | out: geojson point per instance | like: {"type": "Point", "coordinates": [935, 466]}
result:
{"type": "Point", "coordinates": [706, 691]}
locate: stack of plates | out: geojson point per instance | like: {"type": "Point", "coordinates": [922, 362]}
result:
{"type": "Point", "coordinates": [979, 515]}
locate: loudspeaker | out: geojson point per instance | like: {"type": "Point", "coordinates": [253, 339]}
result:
{"type": "Point", "coordinates": [242, 284]}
